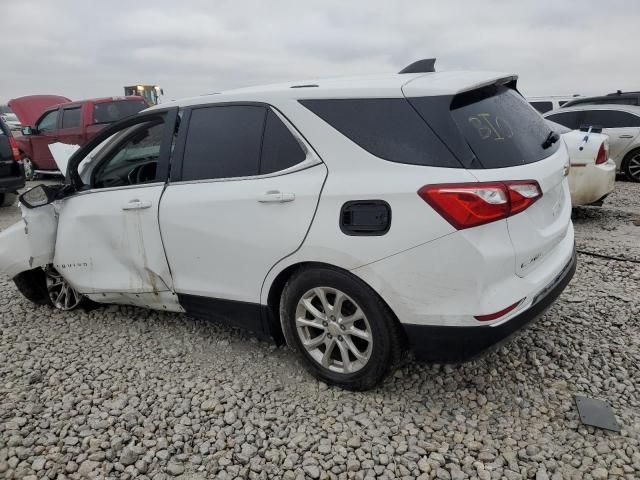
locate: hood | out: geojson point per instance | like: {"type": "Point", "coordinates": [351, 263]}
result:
{"type": "Point", "coordinates": [29, 108]}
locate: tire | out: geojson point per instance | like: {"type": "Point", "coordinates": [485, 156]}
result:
{"type": "Point", "coordinates": [32, 284]}
{"type": "Point", "coordinates": [322, 332]}
{"type": "Point", "coordinates": [29, 173]}
{"type": "Point", "coordinates": [7, 199]}
{"type": "Point", "coordinates": [631, 166]}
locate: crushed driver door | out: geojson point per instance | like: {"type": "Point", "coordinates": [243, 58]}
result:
{"type": "Point", "coordinates": [108, 242]}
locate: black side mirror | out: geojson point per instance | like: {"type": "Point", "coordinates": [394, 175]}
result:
{"type": "Point", "coordinates": [594, 128]}
{"type": "Point", "coordinates": [27, 131]}
{"type": "Point", "coordinates": [38, 196]}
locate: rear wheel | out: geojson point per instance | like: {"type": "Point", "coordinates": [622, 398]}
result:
{"type": "Point", "coordinates": [631, 166]}
{"type": "Point", "coordinates": [341, 329]}
{"type": "Point", "coordinates": [7, 199]}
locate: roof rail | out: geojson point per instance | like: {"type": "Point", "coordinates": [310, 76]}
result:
{"type": "Point", "coordinates": [421, 66]}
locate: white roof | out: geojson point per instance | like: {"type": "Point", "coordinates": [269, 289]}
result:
{"type": "Point", "coordinates": [366, 86]}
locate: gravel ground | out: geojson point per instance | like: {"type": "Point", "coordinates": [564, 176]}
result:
{"type": "Point", "coordinates": [120, 392]}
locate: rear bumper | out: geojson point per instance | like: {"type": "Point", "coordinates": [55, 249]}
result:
{"type": "Point", "coordinates": [448, 344]}
{"type": "Point", "coordinates": [590, 183]}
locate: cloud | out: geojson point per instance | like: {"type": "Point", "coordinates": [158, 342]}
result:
{"type": "Point", "coordinates": [83, 49]}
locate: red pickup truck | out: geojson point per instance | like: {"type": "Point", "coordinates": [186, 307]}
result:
{"type": "Point", "coordinates": [48, 119]}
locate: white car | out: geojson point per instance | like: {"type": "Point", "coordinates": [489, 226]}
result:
{"type": "Point", "coordinates": [621, 123]}
{"type": "Point", "coordinates": [12, 121]}
{"type": "Point", "coordinates": [356, 217]}
{"type": "Point", "coordinates": [548, 103]}
{"type": "Point", "coordinates": [593, 174]}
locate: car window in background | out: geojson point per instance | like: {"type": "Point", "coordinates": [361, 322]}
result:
{"type": "Point", "coordinates": [556, 127]}
{"type": "Point", "coordinates": [568, 119]}
{"type": "Point", "coordinates": [223, 142]}
{"type": "Point", "coordinates": [542, 107]}
{"type": "Point", "coordinates": [562, 102]}
{"type": "Point", "coordinates": [49, 121]}
{"type": "Point", "coordinates": [610, 119]}
{"type": "Point", "coordinates": [280, 149]}
{"type": "Point", "coordinates": [108, 112]}
{"type": "Point", "coordinates": [71, 117]}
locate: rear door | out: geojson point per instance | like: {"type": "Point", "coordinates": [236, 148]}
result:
{"type": "Point", "coordinates": [506, 138]}
{"type": "Point", "coordinates": [621, 127]}
{"type": "Point", "coordinates": [71, 125]}
{"type": "Point", "coordinates": [242, 195]}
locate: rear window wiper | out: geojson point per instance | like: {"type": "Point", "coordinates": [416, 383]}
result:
{"type": "Point", "coordinates": [552, 138]}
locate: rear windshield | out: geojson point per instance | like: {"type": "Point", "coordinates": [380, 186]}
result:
{"type": "Point", "coordinates": [501, 128]}
{"type": "Point", "coordinates": [108, 112]}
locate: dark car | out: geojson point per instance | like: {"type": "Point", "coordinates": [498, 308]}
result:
{"type": "Point", "coordinates": [617, 98]}
{"type": "Point", "coordinates": [48, 119]}
{"type": "Point", "coordinates": [11, 171]}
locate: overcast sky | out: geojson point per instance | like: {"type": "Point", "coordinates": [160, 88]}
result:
{"type": "Point", "coordinates": [85, 48]}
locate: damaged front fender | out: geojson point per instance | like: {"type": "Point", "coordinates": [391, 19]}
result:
{"type": "Point", "coordinates": [31, 242]}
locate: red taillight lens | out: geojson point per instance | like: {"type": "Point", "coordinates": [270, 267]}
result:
{"type": "Point", "coordinates": [14, 148]}
{"type": "Point", "coordinates": [501, 313]}
{"type": "Point", "coordinates": [602, 155]}
{"type": "Point", "coordinates": [466, 205]}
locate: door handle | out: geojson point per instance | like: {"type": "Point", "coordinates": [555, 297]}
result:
{"type": "Point", "coordinates": [136, 205]}
{"type": "Point", "coordinates": [625, 136]}
{"type": "Point", "coordinates": [275, 196]}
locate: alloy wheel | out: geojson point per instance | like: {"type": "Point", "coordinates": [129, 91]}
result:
{"type": "Point", "coordinates": [633, 167]}
{"type": "Point", "coordinates": [62, 294]}
{"type": "Point", "coordinates": [29, 173]}
{"type": "Point", "coordinates": [334, 330]}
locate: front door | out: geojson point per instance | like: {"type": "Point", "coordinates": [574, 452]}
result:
{"type": "Point", "coordinates": [108, 243]}
{"type": "Point", "coordinates": [46, 134]}
{"type": "Point", "coordinates": [242, 198]}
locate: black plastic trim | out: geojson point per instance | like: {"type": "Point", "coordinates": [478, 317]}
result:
{"type": "Point", "coordinates": [445, 344]}
{"type": "Point", "coordinates": [254, 317]}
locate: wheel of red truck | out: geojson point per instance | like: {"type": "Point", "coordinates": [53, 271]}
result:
{"type": "Point", "coordinates": [342, 330]}
{"type": "Point", "coordinates": [63, 296]}
{"type": "Point", "coordinates": [29, 171]}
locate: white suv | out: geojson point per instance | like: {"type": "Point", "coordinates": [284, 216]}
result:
{"type": "Point", "coordinates": [357, 218]}
{"type": "Point", "coordinates": [621, 123]}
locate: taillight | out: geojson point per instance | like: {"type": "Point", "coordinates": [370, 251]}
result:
{"type": "Point", "coordinates": [602, 154]}
{"type": "Point", "coordinates": [466, 205]}
{"type": "Point", "coordinates": [14, 149]}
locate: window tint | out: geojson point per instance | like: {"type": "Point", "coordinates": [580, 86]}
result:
{"type": "Point", "coordinates": [133, 162]}
{"type": "Point", "coordinates": [388, 128]}
{"type": "Point", "coordinates": [568, 119]}
{"type": "Point", "coordinates": [610, 119]}
{"type": "Point", "coordinates": [542, 107]}
{"type": "Point", "coordinates": [501, 128]}
{"type": "Point", "coordinates": [108, 112]}
{"type": "Point", "coordinates": [71, 117]}
{"type": "Point", "coordinates": [223, 142]}
{"type": "Point", "coordinates": [48, 122]}
{"type": "Point", "coordinates": [280, 149]}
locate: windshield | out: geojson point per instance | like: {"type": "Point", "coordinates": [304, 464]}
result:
{"type": "Point", "coordinates": [108, 112]}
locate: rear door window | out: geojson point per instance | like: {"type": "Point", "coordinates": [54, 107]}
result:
{"type": "Point", "coordinates": [223, 142]}
{"type": "Point", "coordinates": [388, 128]}
{"type": "Point", "coordinates": [108, 112]}
{"type": "Point", "coordinates": [500, 127]}
{"type": "Point", "coordinates": [568, 119]}
{"type": "Point", "coordinates": [71, 117]}
{"type": "Point", "coordinates": [280, 149]}
{"type": "Point", "coordinates": [610, 119]}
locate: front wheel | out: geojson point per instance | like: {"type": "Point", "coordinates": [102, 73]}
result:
{"type": "Point", "coordinates": [29, 169]}
{"type": "Point", "coordinates": [342, 330]}
{"type": "Point", "coordinates": [631, 166]}
{"type": "Point", "coordinates": [62, 295]}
